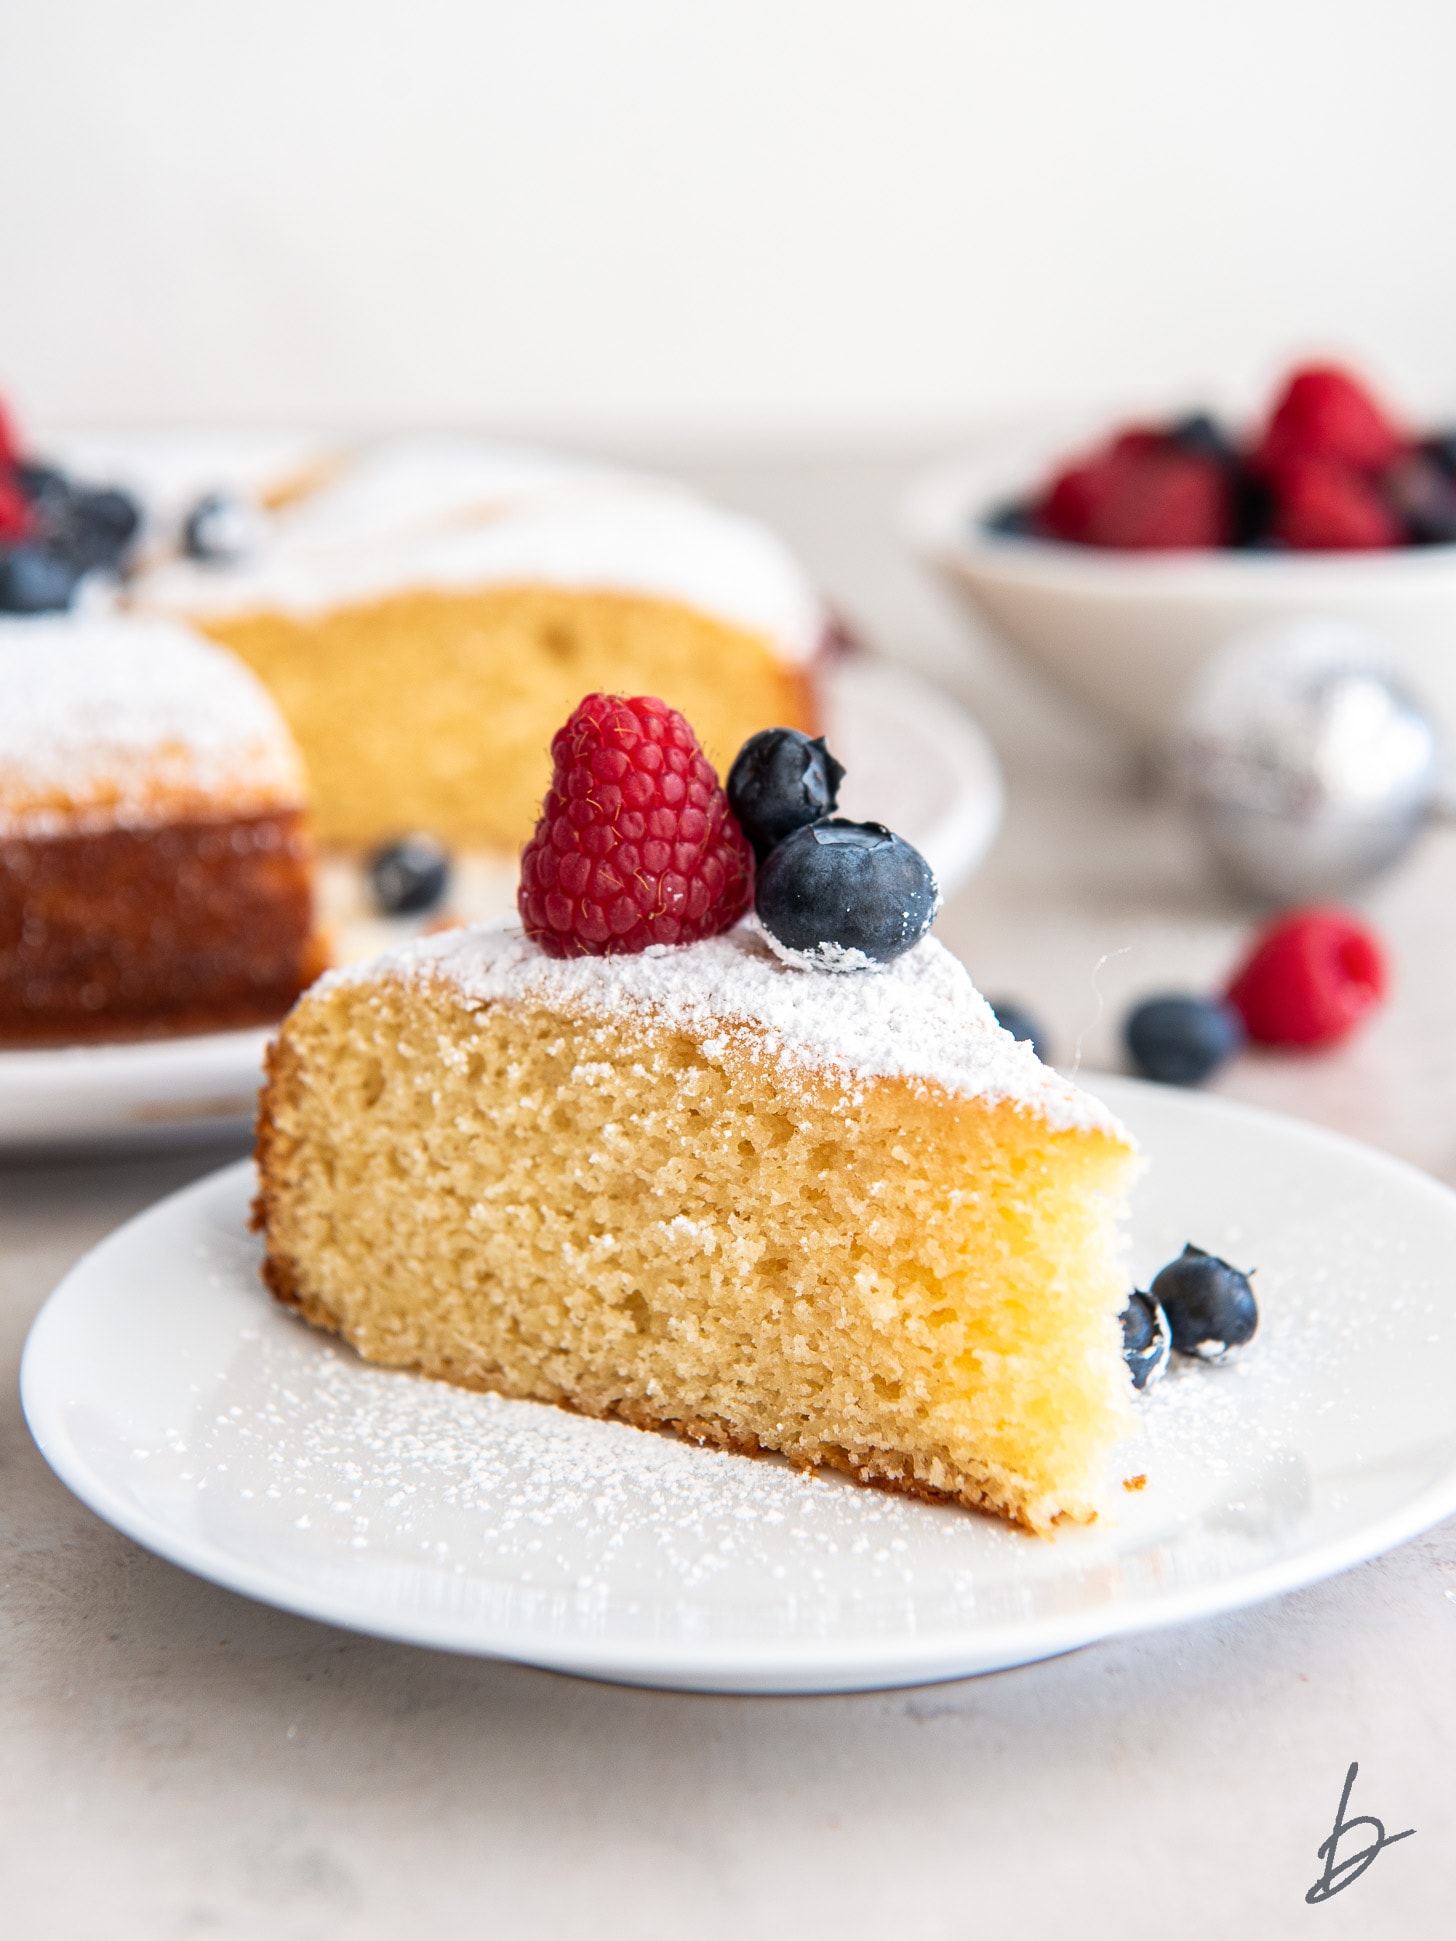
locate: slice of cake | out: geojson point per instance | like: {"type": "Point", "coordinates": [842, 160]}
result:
{"type": "Point", "coordinates": [155, 862]}
{"type": "Point", "coordinates": [847, 1218]}
{"type": "Point", "coordinates": [428, 615]}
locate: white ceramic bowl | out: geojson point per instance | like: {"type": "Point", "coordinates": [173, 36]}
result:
{"type": "Point", "coordinates": [1127, 632]}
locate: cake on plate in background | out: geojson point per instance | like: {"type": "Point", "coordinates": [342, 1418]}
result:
{"type": "Point", "coordinates": [426, 612]}
{"type": "Point", "coordinates": [156, 870]}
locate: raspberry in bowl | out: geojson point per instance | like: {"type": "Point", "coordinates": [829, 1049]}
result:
{"type": "Point", "coordinates": [1120, 557]}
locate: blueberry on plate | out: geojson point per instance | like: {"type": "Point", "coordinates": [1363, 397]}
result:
{"type": "Point", "coordinates": [408, 876]}
{"type": "Point", "coordinates": [841, 887]}
{"type": "Point", "coordinates": [1210, 1306]}
{"type": "Point", "coordinates": [1027, 1029]}
{"type": "Point", "coordinates": [1146, 1339]}
{"type": "Point", "coordinates": [1182, 1040]}
{"type": "Point", "coordinates": [220, 528]}
{"type": "Point", "coordinates": [779, 782]}
{"type": "Point", "coordinates": [33, 580]}
{"type": "Point", "coordinates": [98, 525]}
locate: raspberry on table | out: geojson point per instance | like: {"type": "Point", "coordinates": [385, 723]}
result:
{"type": "Point", "coordinates": [1310, 978]}
{"type": "Point", "coordinates": [636, 844]}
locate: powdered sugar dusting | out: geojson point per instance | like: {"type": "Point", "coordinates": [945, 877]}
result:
{"type": "Point", "coordinates": [112, 721]}
{"type": "Point", "coordinates": [919, 1018]}
{"type": "Point", "coordinates": [452, 515]}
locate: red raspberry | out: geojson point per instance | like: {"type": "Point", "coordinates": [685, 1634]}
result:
{"type": "Point", "coordinates": [1324, 507]}
{"type": "Point", "coordinates": [1309, 979]}
{"type": "Point", "coordinates": [10, 449]}
{"type": "Point", "coordinates": [16, 521]}
{"type": "Point", "coordinates": [1323, 412]}
{"type": "Point", "coordinates": [636, 844]}
{"type": "Point", "coordinates": [1142, 492]}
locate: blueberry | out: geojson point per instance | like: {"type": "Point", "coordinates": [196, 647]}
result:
{"type": "Point", "coordinates": [43, 486]}
{"type": "Point", "coordinates": [1021, 1024]}
{"type": "Point", "coordinates": [1015, 520]}
{"type": "Point", "coordinates": [1146, 1339]}
{"type": "Point", "coordinates": [409, 875]}
{"type": "Point", "coordinates": [1205, 436]}
{"type": "Point", "coordinates": [1210, 1306]}
{"type": "Point", "coordinates": [35, 581]}
{"type": "Point", "coordinates": [1423, 496]}
{"type": "Point", "coordinates": [1182, 1040]}
{"type": "Point", "coordinates": [101, 525]}
{"type": "Point", "coordinates": [839, 886]}
{"type": "Point", "coordinates": [1253, 507]}
{"type": "Point", "coordinates": [779, 781]}
{"type": "Point", "coordinates": [1441, 447]}
{"type": "Point", "coordinates": [220, 527]}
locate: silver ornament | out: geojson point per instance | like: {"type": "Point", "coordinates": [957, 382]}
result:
{"type": "Point", "coordinates": [1306, 765]}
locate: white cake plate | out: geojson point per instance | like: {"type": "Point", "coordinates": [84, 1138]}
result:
{"type": "Point", "coordinates": [168, 1391]}
{"type": "Point", "coordinates": [916, 761]}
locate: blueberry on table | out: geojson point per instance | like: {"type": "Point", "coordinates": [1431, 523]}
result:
{"type": "Point", "coordinates": [1146, 1339]}
{"type": "Point", "coordinates": [1180, 1040]}
{"type": "Point", "coordinates": [779, 782]}
{"type": "Point", "coordinates": [1027, 1029]}
{"type": "Point", "coordinates": [408, 876]}
{"type": "Point", "coordinates": [1210, 1305]}
{"type": "Point", "coordinates": [35, 581]}
{"type": "Point", "coordinates": [839, 887]}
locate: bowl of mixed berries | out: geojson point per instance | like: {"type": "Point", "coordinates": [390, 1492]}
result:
{"type": "Point", "coordinates": [1120, 560]}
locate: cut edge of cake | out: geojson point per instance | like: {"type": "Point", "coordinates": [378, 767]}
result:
{"type": "Point", "coordinates": [900, 1070]}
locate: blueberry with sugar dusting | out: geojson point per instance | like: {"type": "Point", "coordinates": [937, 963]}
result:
{"type": "Point", "coordinates": [844, 894]}
{"type": "Point", "coordinates": [33, 580]}
{"type": "Point", "coordinates": [1022, 1025]}
{"type": "Point", "coordinates": [408, 876]}
{"type": "Point", "coordinates": [1209, 1304]}
{"type": "Point", "coordinates": [781, 781]}
{"type": "Point", "coordinates": [1180, 1040]}
{"type": "Point", "coordinates": [220, 529]}
{"type": "Point", "coordinates": [1147, 1339]}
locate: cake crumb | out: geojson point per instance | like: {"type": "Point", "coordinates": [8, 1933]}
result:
{"type": "Point", "coordinates": [1134, 1482]}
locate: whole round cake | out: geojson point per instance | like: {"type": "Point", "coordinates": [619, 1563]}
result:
{"type": "Point", "coordinates": [155, 859]}
{"type": "Point", "coordinates": [426, 612]}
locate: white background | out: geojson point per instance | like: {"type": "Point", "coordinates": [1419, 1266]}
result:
{"type": "Point", "coordinates": [730, 221]}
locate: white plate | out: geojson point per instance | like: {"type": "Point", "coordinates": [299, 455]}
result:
{"type": "Point", "coordinates": [915, 761]}
{"type": "Point", "coordinates": [177, 1401]}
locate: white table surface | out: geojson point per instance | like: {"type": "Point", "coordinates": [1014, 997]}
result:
{"type": "Point", "coordinates": [176, 1762]}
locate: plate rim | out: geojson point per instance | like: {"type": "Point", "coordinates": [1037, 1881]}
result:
{"type": "Point", "coordinates": [755, 1665]}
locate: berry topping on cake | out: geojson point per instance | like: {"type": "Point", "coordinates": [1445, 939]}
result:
{"type": "Point", "coordinates": [844, 895]}
{"type": "Point", "coordinates": [1179, 1040]}
{"type": "Point", "coordinates": [1146, 1339]}
{"type": "Point", "coordinates": [1311, 977]}
{"type": "Point", "coordinates": [636, 844]}
{"type": "Point", "coordinates": [1210, 1306]}
{"type": "Point", "coordinates": [33, 581]}
{"type": "Point", "coordinates": [408, 876]}
{"type": "Point", "coordinates": [781, 781]}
